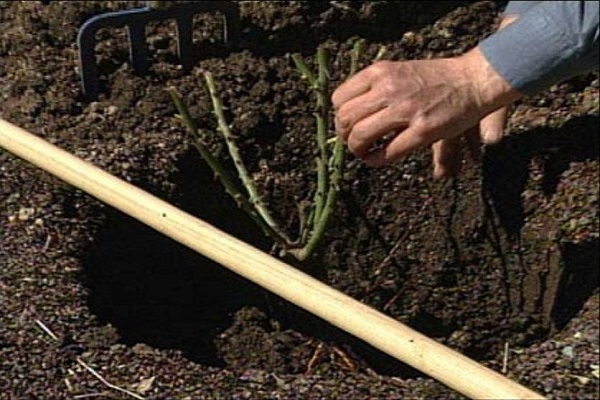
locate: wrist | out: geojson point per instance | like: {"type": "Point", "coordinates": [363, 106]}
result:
{"type": "Point", "coordinates": [490, 89]}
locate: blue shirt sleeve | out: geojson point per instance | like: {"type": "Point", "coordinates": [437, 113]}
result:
{"type": "Point", "coordinates": [552, 41]}
{"type": "Point", "coordinates": [519, 7]}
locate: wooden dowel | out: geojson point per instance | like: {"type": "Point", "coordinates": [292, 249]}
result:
{"type": "Point", "coordinates": [388, 335]}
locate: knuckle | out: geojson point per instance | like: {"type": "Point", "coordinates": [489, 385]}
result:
{"type": "Point", "coordinates": [422, 133]}
{"type": "Point", "coordinates": [422, 126]}
{"type": "Point", "coordinates": [389, 86]}
{"type": "Point", "coordinates": [335, 100]}
{"type": "Point", "coordinates": [382, 66]}
{"type": "Point", "coordinates": [343, 122]}
{"type": "Point", "coordinates": [356, 145]}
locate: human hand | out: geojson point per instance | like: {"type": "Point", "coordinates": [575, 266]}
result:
{"type": "Point", "coordinates": [411, 104]}
{"type": "Point", "coordinates": [448, 153]}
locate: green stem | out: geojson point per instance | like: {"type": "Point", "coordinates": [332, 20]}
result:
{"type": "Point", "coordinates": [319, 84]}
{"type": "Point", "coordinates": [357, 50]}
{"type": "Point", "coordinates": [220, 173]}
{"type": "Point", "coordinates": [380, 53]}
{"type": "Point", "coordinates": [306, 219]}
{"type": "Point", "coordinates": [248, 183]}
{"type": "Point", "coordinates": [303, 253]}
{"type": "Point", "coordinates": [335, 168]}
{"type": "Point", "coordinates": [304, 70]}
{"type": "Point", "coordinates": [322, 116]}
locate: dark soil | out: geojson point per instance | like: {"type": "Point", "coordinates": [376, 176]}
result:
{"type": "Point", "coordinates": [505, 256]}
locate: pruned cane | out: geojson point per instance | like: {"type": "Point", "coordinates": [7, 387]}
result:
{"type": "Point", "coordinates": [382, 332]}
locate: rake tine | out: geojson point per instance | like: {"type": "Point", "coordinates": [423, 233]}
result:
{"type": "Point", "coordinates": [135, 21]}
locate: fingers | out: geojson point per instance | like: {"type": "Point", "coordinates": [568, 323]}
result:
{"type": "Point", "coordinates": [400, 146]}
{"type": "Point", "coordinates": [355, 110]}
{"type": "Point", "coordinates": [366, 132]}
{"type": "Point", "coordinates": [492, 126]}
{"type": "Point", "coordinates": [448, 153]}
{"type": "Point", "coordinates": [447, 157]}
{"type": "Point", "coordinates": [357, 85]}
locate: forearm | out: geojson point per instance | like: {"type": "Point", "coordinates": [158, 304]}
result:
{"type": "Point", "coordinates": [552, 41]}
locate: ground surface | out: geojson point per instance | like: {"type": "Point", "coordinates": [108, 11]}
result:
{"type": "Point", "coordinates": [505, 257]}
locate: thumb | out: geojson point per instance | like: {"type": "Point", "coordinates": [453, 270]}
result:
{"type": "Point", "coordinates": [492, 126]}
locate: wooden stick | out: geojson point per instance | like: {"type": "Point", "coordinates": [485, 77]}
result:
{"type": "Point", "coordinates": [388, 335]}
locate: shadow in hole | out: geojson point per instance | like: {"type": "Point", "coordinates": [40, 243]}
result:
{"type": "Point", "coordinates": [158, 292]}
{"type": "Point", "coordinates": [506, 170]}
{"type": "Point", "coordinates": [579, 280]}
{"type": "Point", "coordinates": [506, 165]}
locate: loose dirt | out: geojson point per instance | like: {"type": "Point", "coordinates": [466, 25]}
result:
{"type": "Point", "coordinates": [500, 263]}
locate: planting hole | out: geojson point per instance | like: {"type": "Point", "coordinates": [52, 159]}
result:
{"type": "Point", "coordinates": [158, 292]}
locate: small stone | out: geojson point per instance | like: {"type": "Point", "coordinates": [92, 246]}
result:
{"type": "Point", "coordinates": [582, 379]}
{"type": "Point", "coordinates": [25, 213]}
{"type": "Point", "coordinates": [568, 351]}
{"type": "Point", "coordinates": [145, 385]}
{"type": "Point", "coordinates": [142, 348]}
{"type": "Point", "coordinates": [94, 106]}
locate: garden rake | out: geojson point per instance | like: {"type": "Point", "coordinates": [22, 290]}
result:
{"type": "Point", "coordinates": [135, 21]}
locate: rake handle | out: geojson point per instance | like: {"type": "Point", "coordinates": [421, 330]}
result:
{"type": "Point", "coordinates": [388, 335]}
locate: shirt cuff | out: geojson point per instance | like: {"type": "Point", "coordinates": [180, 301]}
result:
{"type": "Point", "coordinates": [541, 48]}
